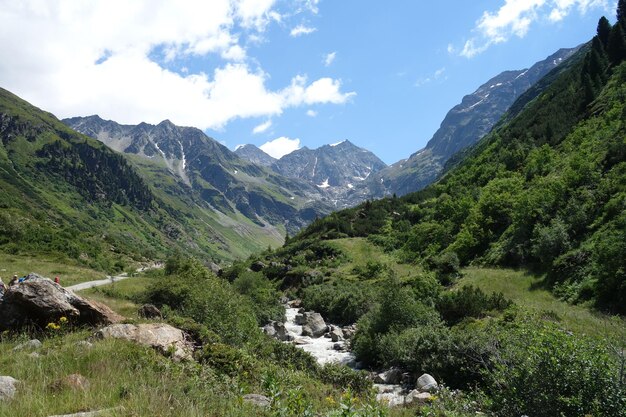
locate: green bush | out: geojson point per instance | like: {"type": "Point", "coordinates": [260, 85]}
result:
{"type": "Point", "coordinates": [543, 371]}
{"type": "Point", "coordinates": [345, 378]}
{"type": "Point", "coordinates": [341, 302]}
{"type": "Point", "coordinates": [265, 298]}
{"type": "Point", "coordinates": [226, 359]}
{"type": "Point", "coordinates": [469, 301]}
{"type": "Point", "coordinates": [192, 291]}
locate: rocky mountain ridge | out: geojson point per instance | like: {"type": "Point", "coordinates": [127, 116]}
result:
{"type": "Point", "coordinates": [225, 181]}
{"type": "Point", "coordinates": [464, 125]}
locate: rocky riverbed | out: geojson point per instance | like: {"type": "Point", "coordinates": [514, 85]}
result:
{"type": "Point", "coordinates": [329, 344]}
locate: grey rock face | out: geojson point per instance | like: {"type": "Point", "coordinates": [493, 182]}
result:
{"type": "Point", "coordinates": [255, 155]}
{"type": "Point", "coordinates": [42, 301]}
{"type": "Point", "coordinates": [149, 311]}
{"type": "Point", "coordinates": [464, 125]}
{"type": "Point", "coordinates": [392, 376]}
{"type": "Point", "coordinates": [314, 325]}
{"type": "Point", "coordinates": [427, 383]}
{"type": "Point", "coordinates": [8, 387]}
{"type": "Point", "coordinates": [211, 172]}
{"type": "Point", "coordinates": [257, 400]}
{"type": "Point", "coordinates": [277, 330]}
{"type": "Point", "coordinates": [30, 345]}
{"type": "Point", "coordinates": [163, 337]}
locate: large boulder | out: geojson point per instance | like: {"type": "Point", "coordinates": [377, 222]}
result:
{"type": "Point", "coordinates": [336, 334]}
{"type": "Point", "coordinates": [41, 301]}
{"type": "Point", "coordinates": [160, 336]}
{"type": "Point", "coordinates": [392, 376]}
{"type": "Point", "coordinates": [314, 325]}
{"type": "Point", "coordinates": [149, 311]}
{"type": "Point", "coordinates": [8, 387]}
{"type": "Point", "coordinates": [30, 345]}
{"type": "Point", "coordinates": [277, 330]}
{"type": "Point", "coordinates": [427, 383]}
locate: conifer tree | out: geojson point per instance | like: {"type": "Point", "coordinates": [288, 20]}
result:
{"type": "Point", "coordinates": [616, 48]}
{"type": "Point", "coordinates": [604, 30]}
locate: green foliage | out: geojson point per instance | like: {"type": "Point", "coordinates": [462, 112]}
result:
{"type": "Point", "coordinates": [192, 291]}
{"type": "Point", "coordinates": [544, 190]}
{"type": "Point", "coordinates": [345, 378]}
{"type": "Point", "coordinates": [341, 302]}
{"type": "Point", "coordinates": [543, 371]}
{"type": "Point", "coordinates": [265, 298]}
{"type": "Point", "coordinates": [469, 301]}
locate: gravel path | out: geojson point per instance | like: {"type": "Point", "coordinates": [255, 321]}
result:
{"type": "Point", "coordinates": [108, 280]}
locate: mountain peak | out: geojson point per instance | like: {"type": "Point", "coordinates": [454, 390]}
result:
{"type": "Point", "coordinates": [254, 154]}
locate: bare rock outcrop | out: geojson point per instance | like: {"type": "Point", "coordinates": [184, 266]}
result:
{"type": "Point", "coordinates": [39, 300]}
{"type": "Point", "coordinates": [165, 338]}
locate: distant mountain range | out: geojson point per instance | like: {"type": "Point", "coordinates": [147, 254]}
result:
{"type": "Point", "coordinates": [248, 186]}
{"type": "Point", "coordinates": [349, 175]}
{"type": "Point", "coordinates": [464, 125]}
{"type": "Point", "coordinates": [226, 182]}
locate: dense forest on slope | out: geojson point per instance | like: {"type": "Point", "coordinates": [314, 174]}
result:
{"type": "Point", "coordinates": [544, 190]}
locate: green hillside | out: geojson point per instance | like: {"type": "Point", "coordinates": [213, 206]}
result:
{"type": "Point", "coordinates": [64, 194]}
{"type": "Point", "coordinates": [473, 279]}
{"type": "Point", "coordinates": [544, 191]}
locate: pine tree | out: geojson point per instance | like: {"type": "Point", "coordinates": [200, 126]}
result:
{"type": "Point", "coordinates": [604, 30]}
{"type": "Point", "coordinates": [616, 48]}
{"type": "Point", "coordinates": [621, 13]}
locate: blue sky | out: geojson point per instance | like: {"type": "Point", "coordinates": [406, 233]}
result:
{"type": "Point", "coordinates": [311, 72]}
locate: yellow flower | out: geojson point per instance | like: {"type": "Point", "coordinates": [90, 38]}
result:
{"type": "Point", "coordinates": [63, 319]}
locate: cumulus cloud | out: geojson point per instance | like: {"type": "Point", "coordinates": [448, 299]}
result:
{"type": "Point", "coordinates": [302, 30]}
{"type": "Point", "coordinates": [263, 127]}
{"type": "Point", "coordinates": [330, 58]}
{"type": "Point", "coordinates": [515, 18]}
{"type": "Point", "coordinates": [115, 58]}
{"type": "Point", "coordinates": [311, 113]}
{"type": "Point", "coordinates": [280, 147]}
{"type": "Point", "coordinates": [324, 90]}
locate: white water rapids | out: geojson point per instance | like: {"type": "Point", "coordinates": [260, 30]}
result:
{"type": "Point", "coordinates": [323, 350]}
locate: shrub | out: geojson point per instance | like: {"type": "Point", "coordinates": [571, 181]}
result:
{"type": "Point", "coordinates": [192, 291]}
{"type": "Point", "coordinates": [345, 378]}
{"type": "Point", "coordinates": [341, 302]}
{"type": "Point", "coordinates": [543, 371]}
{"type": "Point", "coordinates": [446, 266]}
{"type": "Point", "coordinates": [469, 301]}
{"type": "Point", "coordinates": [265, 298]}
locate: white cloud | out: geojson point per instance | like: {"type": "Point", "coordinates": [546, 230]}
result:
{"type": "Point", "coordinates": [262, 127]}
{"type": "Point", "coordinates": [76, 58]}
{"type": "Point", "coordinates": [330, 58]}
{"type": "Point", "coordinates": [281, 146]}
{"type": "Point", "coordinates": [234, 53]}
{"type": "Point", "coordinates": [302, 30]}
{"type": "Point", "coordinates": [311, 113]}
{"type": "Point", "coordinates": [324, 90]}
{"type": "Point", "coordinates": [515, 18]}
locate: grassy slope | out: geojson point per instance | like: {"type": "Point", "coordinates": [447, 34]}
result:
{"type": "Point", "coordinates": [360, 252]}
{"type": "Point", "coordinates": [527, 290]}
{"type": "Point", "coordinates": [46, 210]}
{"type": "Point", "coordinates": [69, 272]}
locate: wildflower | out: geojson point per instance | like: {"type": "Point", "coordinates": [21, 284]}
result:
{"type": "Point", "coordinates": [63, 320]}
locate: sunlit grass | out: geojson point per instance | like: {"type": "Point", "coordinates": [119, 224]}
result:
{"type": "Point", "coordinates": [68, 273]}
{"type": "Point", "coordinates": [526, 289]}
